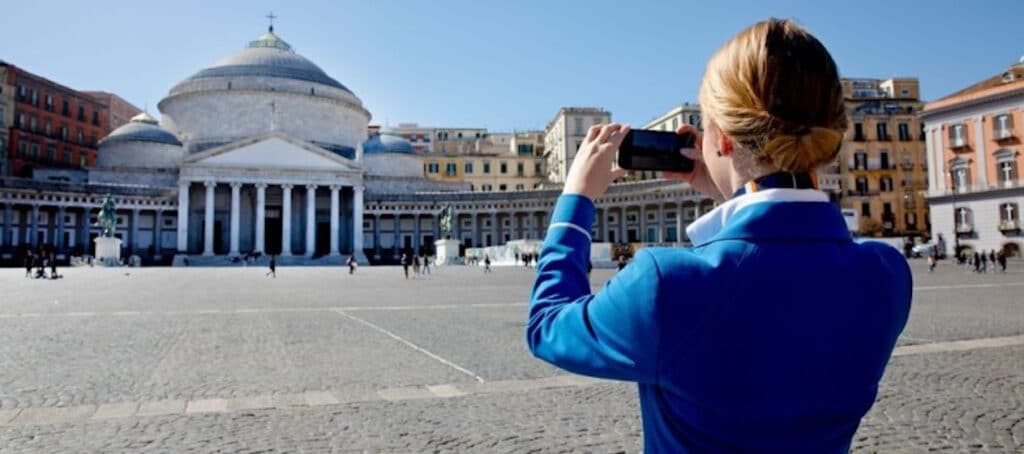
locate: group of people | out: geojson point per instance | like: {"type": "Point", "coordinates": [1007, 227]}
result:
{"type": "Point", "coordinates": [420, 264]}
{"type": "Point", "coordinates": [40, 261]}
{"type": "Point", "coordinates": [981, 261]}
{"type": "Point", "coordinates": [528, 259]}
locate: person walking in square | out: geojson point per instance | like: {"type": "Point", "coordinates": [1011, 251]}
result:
{"type": "Point", "coordinates": [984, 262]}
{"type": "Point", "coordinates": [725, 340]}
{"type": "Point", "coordinates": [415, 266]}
{"type": "Point", "coordinates": [992, 258]}
{"type": "Point", "coordinates": [1002, 260]}
{"type": "Point", "coordinates": [426, 264]}
{"type": "Point", "coordinates": [977, 262]}
{"type": "Point", "coordinates": [932, 259]}
{"type": "Point", "coordinates": [351, 262]}
{"type": "Point", "coordinates": [622, 262]}
{"type": "Point", "coordinates": [53, 265]}
{"type": "Point", "coordinates": [28, 263]}
{"type": "Point", "coordinates": [404, 260]}
{"type": "Point", "coordinates": [273, 267]}
{"type": "Point", "coordinates": [487, 264]}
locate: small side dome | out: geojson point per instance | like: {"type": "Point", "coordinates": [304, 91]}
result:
{"type": "Point", "coordinates": [387, 141]}
{"type": "Point", "coordinates": [141, 128]}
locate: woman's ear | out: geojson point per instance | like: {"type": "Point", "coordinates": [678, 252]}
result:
{"type": "Point", "coordinates": [724, 145]}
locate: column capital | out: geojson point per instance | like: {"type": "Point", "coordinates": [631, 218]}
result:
{"type": "Point", "coordinates": [261, 185]}
{"type": "Point", "coordinates": [335, 187]}
{"type": "Point", "coordinates": [210, 183]}
{"type": "Point", "coordinates": [235, 184]}
{"type": "Point", "coordinates": [287, 186]}
{"type": "Point", "coordinates": [311, 187]}
{"type": "Point", "coordinates": [359, 188]}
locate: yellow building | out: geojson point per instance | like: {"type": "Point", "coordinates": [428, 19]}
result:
{"type": "Point", "coordinates": [882, 165]}
{"type": "Point", "coordinates": [489, 162]}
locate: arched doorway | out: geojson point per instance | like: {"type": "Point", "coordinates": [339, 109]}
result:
{"type": "Point", "coordinates": [1011, 249]}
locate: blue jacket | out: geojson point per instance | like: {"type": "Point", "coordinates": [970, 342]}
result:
{"type": "Point", "coordinates": [771, 336]}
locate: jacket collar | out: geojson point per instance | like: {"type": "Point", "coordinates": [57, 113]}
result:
{"type": "Point", "coordinates": [772, 213]}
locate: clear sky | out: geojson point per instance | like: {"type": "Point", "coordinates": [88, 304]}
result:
{"type": "Point", "coordinates": [499, 64]}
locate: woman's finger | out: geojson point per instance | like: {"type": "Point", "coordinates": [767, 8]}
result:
{"type": "Point", "coordinates": [618, 172]}
{"type": "Point", "coordinates": [607, 131]}
{"type": "Point", "coordinates": [617, 139]}
{"type": "Point", "coordinates": [593, 132]}
{"type": "Point", "coordinates": [692, 153]}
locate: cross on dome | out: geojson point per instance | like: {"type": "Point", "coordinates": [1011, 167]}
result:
{"type": "Point", "coordinates": [271, 16]}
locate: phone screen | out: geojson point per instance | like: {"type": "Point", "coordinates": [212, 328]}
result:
{"type": "Point", "coordinates": [656, 150]}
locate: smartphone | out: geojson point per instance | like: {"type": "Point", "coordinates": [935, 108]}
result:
{"type": "Point", "coordinates": [644, 149]}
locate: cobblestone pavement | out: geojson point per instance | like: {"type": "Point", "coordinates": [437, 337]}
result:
{"type": "Point", "coordinates": [316, 360]}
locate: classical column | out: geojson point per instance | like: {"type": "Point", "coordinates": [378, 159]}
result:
{"type": "Point", "coordinates": [436, 227]}
{"type": "Point", "coordinates": [696, 210]}
{"type": "Point", "coordinates": [540, 226]}
{"type": "Point", "coordinates": [357, 220]}
{"type": "Point", "coordinates": [182, 217]}
{"type": "Point", "coordinates": [83, 229]}
{"type": "Point", "coordinates": [642, 219]}
{"type": "Point", "coordinates": [134, 245]}
{"type": "Point", "coordinates": [494, 229]}
{"type": "Point", "coordinates": [456, 226]}
{"type": "Point", "coordinates": [261, 214]}
{"type": "Point", "coordinates": [236, 212]}
{"type": "Point", "coordinates": [59, 241]}
{"type": "Point", "coordinates": [622, 225]}
{"type": "Point", "coordinates": [604, 224]}
{"type": "Point", "coordinates": [396, 230]}
{"type": "Point", "coordinates": [416, 233]}
{"type": "Point", "coordinates": [5, 231]}
{"type": "Point", "coordinates": [208, 218]}
{"type": "Point", "coordinates": [679, 223]}
{"type": "Point", "coordinates": [376, 234]}
{"type": "Point", "coordinates": [286, 219]}
{"type": "Point", "coordinates": [661, 223]}
{"type": "Point", "coordinates": [475, 235]}
{"type": "Point", "coordinates": [516, 234]}
{"type": "Point", "coordinates": [158, 226]}
{"type": "Point", "coordinates": [310, 219]}
{"type": "Point", "coordinates": [334, 220]}
{"type": "Point", "coordinates": [34, 229]}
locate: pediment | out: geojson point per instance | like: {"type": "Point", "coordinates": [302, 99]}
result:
{"type": "Point", "coordinates": [275, 151]}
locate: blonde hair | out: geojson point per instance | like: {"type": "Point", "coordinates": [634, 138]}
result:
{"type": "Point", "coordinates": [774, 89]}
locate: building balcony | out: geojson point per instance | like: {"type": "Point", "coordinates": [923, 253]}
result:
{"type": "Point", "coordinates": [958, 142]}
{"type": "Point", "coordinates": [1002, 133]}
{"type": "Point", "coordinates": [964, 228]}
{"type": "Point", "coordinates": [859, 138]}
{"type": "Point", "coordinates": [884, 138]}
{"type": "Point", "coordinates": [1009, 225]}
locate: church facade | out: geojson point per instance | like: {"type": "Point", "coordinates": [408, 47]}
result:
{"type": "Point", "coordinates": [263, 152]}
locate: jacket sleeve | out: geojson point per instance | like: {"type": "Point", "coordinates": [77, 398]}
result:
{"type": "Point", "coordinates": [613, 334]}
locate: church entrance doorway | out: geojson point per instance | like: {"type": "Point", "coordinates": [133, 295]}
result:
{"type": "Point", "coordinates": [218, 238]}
{"type": "Point", "coordinates": [272, 235]}
{"type": "Point", "coordinates": [323, 239]}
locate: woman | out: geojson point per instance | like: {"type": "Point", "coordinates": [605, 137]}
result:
{"type": "Point", "coordinates": [772, 332]}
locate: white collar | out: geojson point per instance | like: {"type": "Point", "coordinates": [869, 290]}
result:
{"type": "Point", "coordinates": [707, 226]}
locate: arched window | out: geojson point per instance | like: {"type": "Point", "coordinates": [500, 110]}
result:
{"type": "Point", "coordinates": [1009, 217]}
{"type": "Point", "coordinates": [964, 220]}
{"type": "Point", "coordinates": [1006, 167]}
{"type": "Point", "coordinates": [960, 174]}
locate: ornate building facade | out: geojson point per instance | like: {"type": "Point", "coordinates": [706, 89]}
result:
{"type": "Point", "coordinates": [263, 152]}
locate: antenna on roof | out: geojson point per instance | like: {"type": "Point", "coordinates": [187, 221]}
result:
{"type": "Point", "coordinates": [271, 16]}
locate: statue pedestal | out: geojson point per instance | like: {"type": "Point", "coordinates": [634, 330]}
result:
{"type": "Point", "coordinates": [108, 251]}
{"type": "Point", "coordinates": [447, 252]}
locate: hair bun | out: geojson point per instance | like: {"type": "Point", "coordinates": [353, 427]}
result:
{"type": "Point", "coordinates": [805, 150]}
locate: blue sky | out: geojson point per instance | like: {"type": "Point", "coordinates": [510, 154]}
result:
{"type": "Point", "coordinates": [501, 65]}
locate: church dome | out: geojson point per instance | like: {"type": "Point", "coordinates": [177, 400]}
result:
{"type": "Point", "coordinates": [141, 128]}
{"type": "Point", "coordinates": [387, 142]}
{"type": "Point", "coordinates": [267, 56]}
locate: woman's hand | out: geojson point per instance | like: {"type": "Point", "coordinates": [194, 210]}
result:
{"type": "Point", "coordinates": [592, 169]}
{"type": "Point", "coordinates": [699, 178]}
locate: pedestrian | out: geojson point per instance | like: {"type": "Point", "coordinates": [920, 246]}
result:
{"type": "Point", "coordinates": [487, 263]}
{"type": "Point", "coordinates": [273, 267]}
{"type": "Point", "coordinates": [977, 262]}
{"type": "Point", "coordinates": [931, 261]}
{"type": "Point", "coordinates": [992, 258]}
{"type": "Point", "coordinates": [426, 264]}
{"type": "Point", "coordinates": [351, 262]}
{"type": "Point", "coordinates": [622, 262]}
{"type": "Point", "coordinates": [40, 264]}
{"type": "Point", "coordinates": [749, 375]}
{"type": "Point", "coordinates": [28, 263]}
{"type": "Point", "coordinates": [984, 262]}
{"type": "Point", "coordinates": [405, 264]}
{"type": "Point", "coordinates": [517, 258]}
{"type": "Point", "coordinates": [53, 265]}
{"type": "Point", "coordinates": [1002, 260]}
{"type": "Point", "coordinates": [415, 266]}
